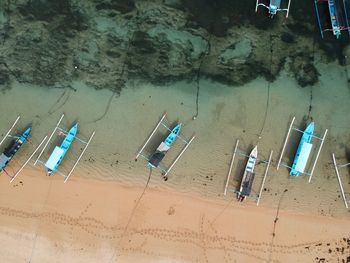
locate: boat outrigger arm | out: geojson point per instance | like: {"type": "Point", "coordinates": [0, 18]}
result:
{"type": "Point", "coordinates": [337, 167]}
{"type": "Point", "coordinates": [59, 152]}
{"type": "Point", "coordinates": [273, 7]}
{"type": "Point", "coordinates": [155, 159]}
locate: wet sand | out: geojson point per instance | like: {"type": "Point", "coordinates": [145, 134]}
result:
{"type": "Point", "coordinates": [44, 220]}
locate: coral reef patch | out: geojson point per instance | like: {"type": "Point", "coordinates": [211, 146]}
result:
{"type": "Point", "coordinates": [106, 42]}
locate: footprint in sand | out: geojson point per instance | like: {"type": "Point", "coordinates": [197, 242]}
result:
{"type": "Point", "coordinates": [171, 211]}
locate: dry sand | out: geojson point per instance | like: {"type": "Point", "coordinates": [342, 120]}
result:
{"type": "Point", "coordinates": [44, 220]}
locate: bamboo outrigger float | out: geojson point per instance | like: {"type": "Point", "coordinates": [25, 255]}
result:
{"type": "Point", "coordinates": [155, 159]}
{"type": "Point", "coordinates": [59, 152]}
{"type": "Point", "coordinates": [336, 167]}
{"type": "Point", "coordinates": [302, 155]}
{"type": "Point", "coordinates": [338, 15]}
{"type": "Point", "coordinates": [273, 6]}
{"type": "Point", "coordinates": [14, 147]}
{"type": "Point", "coordinates": [248, 175]}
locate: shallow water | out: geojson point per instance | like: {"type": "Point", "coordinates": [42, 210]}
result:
{"type": "Point", "coordinates": [225, 114]}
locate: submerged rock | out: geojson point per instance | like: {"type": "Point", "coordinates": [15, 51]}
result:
{"type": "Point", "coordinates": [106, 42]}
{"type": "Point", "coordinates": [307, 75]}
{"type": "Point", "coordinates": [4, 77]}
{"type": "Point", "coordinates": [123, 6]}
{"type": "Point", "coordinates": [346, 55]}
{"type": "Point", "coordinates": [287, 38]}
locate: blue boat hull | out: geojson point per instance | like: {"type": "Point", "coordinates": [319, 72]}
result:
{"type": "Point", "coordinates": [65, 146]}
{"type": "Point", "coordinates": [306, 138]}
{"type": "Point", "coordinates": [334, 18]}
{"type": "Point", "coordinates": [12, 149]}
{"type": "Point", "coordinates": [173, 135]}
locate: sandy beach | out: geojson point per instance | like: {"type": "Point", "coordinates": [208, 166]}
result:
{"type": "Point", "coordinates": [44, 220]}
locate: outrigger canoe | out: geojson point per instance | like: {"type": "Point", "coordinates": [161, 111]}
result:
{"type": "Point", "coordinates": [273, 6]}
{"type": "Point", "coordinates": [334, 18]}
{"type": "Point", "coordinates": [338, 17]}
{"type": "Point", "coordinates": [303, 151]}
{"type": "Point", "coordinates": [248, 176]}
{"type": "Point", "coordinates": [163, 148]}
{"type": "Point", "coordinates": [59, 152]}
{"type": "Point", "coordinates": [12, 149]}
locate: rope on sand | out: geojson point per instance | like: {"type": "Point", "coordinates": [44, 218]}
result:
{"type": "Point", "coordinates": [133, 211]}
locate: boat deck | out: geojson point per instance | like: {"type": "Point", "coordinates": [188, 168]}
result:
{"type": "Point", "coordinates": [247, 184]}
{"type": "Point", "coordinates": [54, 159]}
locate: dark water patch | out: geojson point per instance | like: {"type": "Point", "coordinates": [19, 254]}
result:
{"type": "Point", "coordinates": [219, 15]}
{"type": "Point", "coordinates": [75, 20]}
{"type": "Point", "coordinates": [300, 28]}
{"type": "Point", "coordinates": [62, 15]}
{"type": "Point", "coordinates": [45, 10]}
{"type": "Point", "coordinates": [37, 59]}
{"type": "Point", "coordinates": [307, 75]}
{"type": "Point", "coordinates": [4, 73]}
{"type": "Point", "coordinates": [122, 6]}
{"type": "Point", "coordinates": [303, 11]}
{"type": "Point", "coordinates": [143, 43]}
{"type": "Point", "coordinates": [334, 48]}
{"type": "Point", "coordinates": [304, 69]}
{"type": "Point", "coordinates": [287, 38]}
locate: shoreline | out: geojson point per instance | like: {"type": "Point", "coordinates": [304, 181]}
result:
{"type": "Point", "coordinates": [203, 168]}
{"type": "Point", "coordinates": [85, 219]}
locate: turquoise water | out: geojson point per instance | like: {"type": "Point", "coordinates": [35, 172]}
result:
{"type": "Point", "coordinates": [164, 68]}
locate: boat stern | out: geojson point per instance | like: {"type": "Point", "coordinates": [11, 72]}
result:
{"type": "Point", "coordinates": [155, 159]}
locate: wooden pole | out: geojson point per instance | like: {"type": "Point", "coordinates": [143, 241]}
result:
{"type": "Point", "coordinates": [263, 182]}
{"type": "Point", "coordinates": [340, 183]}
{"type": "Point", "coordinates": [76, 163]}
{"type": "Point", "coordinates": [178, 157]}
{"type": "Point", "coordinates": [20, 169]}
{"type": "Point", "coordinates": [285, 143]}
{"type": "Point", "coordinates": [47, 142]}
{"type": "Point", "coordinates": [256, 6]}
{"type": "Point", "coordinates": [154, 130]}
{"type": "Point", "coordinates": [231, 165]}
{"type": "Point", "coordinates": [344, 165]}
{"type": "Point", "coordinates": [13, 125]}
{"type": "Point", "coordinates": [288, 8]}
{"type": "Point", "coordinates": [318, 154]}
